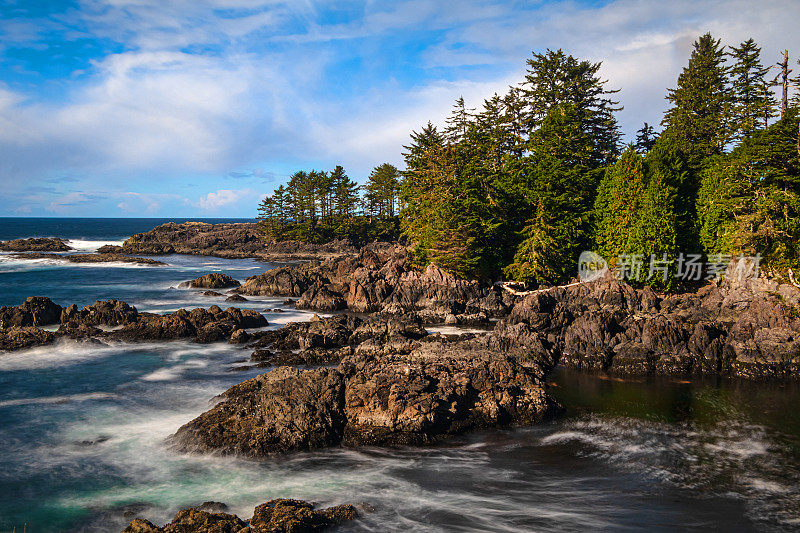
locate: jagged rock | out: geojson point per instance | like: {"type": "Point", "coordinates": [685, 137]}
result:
{"type": "Point", "coordinates": [108, 313]}
{"type": "Point", "coordinates": [239, 336]}
{"type": "Point", "coordinates": [34, 311]}
{"type": "Point", "coordinates": [17, 338]}
{"type": "Point", "coordinates": [35, 244]}
{"type": "Point", "coordinates": [215, 280]}
{"type": "Point", "coordinates": [437, 389]}
{"type": "Point", "coordinates": [275, 516]}
{"type": "Point", "coordinates": [233, 241]}
{"type": "Point", "coordinates": [381, 278]}
{"type": "Point", "coordinates": [204, 325]}
{"type": "Point", "coordinates": [725, 328]}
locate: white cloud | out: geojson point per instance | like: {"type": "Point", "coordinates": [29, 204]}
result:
{"type": "Point", "coordinates": [208, 87]}
{"type": "Point", "coordinates": [213, 201]}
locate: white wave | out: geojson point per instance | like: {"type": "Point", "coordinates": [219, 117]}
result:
{"type": "Point", "coordinates": [82, 245]}
{"type": "Point", "coordinates": [58, 399]}
{"type": "Point", "coordinates": [174, 372]}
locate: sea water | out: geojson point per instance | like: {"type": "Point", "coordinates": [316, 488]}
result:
{"type": "Point", "coordinates": [83, 427]}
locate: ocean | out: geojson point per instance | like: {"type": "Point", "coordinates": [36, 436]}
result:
{"type": "Point", "coordinates": [83, 425]}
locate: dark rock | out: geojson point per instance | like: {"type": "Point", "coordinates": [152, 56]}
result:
{"type": "Point", "coordinates": [275, 516]}
{"type": "Point", "coordinates": [381, 278]}
{"type": "Point", "coordinates": [236, 298]}
{"type": "Point", "coordinates": [107, 313]}
{"type": "Point", "coordinates": [90, 258]}
{"type": "Point", "coordinates": [34, 311]}
{"type": "Point", "coordinates": [212, 507]}
{"type": "Point", "coordinates": [17, 338]}
{"type": "Point", "coordinates": [35, 244]}
{"type": "Point", "coordinates": [231, 241]}
{"type": "Point", "coordinates": [296, 515]}
{"type": "Point", "coordinates": [239, 336]}
{"type": "Point", "coordinates": [215, 280]}
{"type": "Point", "coordinates": [212, 293]}
{"type": "Point", "coordinates": [435, 390]}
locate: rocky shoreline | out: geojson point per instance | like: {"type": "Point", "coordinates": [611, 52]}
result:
{"type": "Point", "coordinates": [376, 373]}
{"type": "Point", "coordinates": [225, 240]}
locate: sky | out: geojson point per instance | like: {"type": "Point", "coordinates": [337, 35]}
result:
{"type": "Point", "coordinates": [198, 108]}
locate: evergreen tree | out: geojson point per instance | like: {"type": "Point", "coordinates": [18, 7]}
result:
{"type": "Point", "coordinates": [646, 137]}
{"type": "Point", "coordinates": [753, 103]}
{"type": "Point", "coordinates": [618, 206]}
{"type": "Point", "coordinates": [750, 199]}
{"type": "Point", "coordinates": [558, 180]}
{"type": "Point", "coordinates": [382, 190]}
{"type": "Point", "coordinates": [573, 134]}
{"type": "Point", "coordinates": [554, 79]}
{"type": "Point", "coordinates": [459, 121]}
{"type": "Point", "coordinates": [700, 102]}
{"type": "Point", "coordinates": [345, 194]}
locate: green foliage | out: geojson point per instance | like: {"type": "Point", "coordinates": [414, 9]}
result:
{"type": "Point", "coordinates": [382, 191]}
{"type": "Point", "coordinates": [320, 206]}
{"type": "Point", "coordinates": [749, 200]}
{"type": "Point", "coordinates": [701, 102]}
{"type": "Point", "coordinates": [525, 183]}
{"type": "Point", "coordinates": [753, 102]}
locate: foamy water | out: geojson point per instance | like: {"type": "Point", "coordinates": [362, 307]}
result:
{"type": "Point", "coordinates": [83, 429]}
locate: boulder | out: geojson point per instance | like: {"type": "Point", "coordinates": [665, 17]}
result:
{"type": "Point", "coordinates": [34, 311]}
{"type": "Point", "coordinates": [35, 244]}
{"type": "Point", "coordinates": [215, 280]}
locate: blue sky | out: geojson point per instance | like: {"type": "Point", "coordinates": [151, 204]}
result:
{"type": "Point", "coordinates": [200, 107]}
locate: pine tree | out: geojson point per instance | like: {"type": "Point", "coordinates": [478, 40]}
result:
{"type": "Point", "coordinates": [558, 182]}
{"type": "Point", "coordinates": [459, 121]}
{"type": "Point", "coordinates": [554, 79]}
{"type": "Point", "coordinates": [646, 138]}
{"type": "Point", "coordinates": [345, 194]}
{"type": "Point", "coordinates": [701, 101]}
{"type": "Point", "coordinates": [382, 190]}
{"type": "Point", "coordinates": [749, 201]}
{"type": "Point", "coordinates": [618, 206]}
{"type": "Point", "coordinates": [572, 135]}
{"type": "Point", "coordinates": [752, 102]}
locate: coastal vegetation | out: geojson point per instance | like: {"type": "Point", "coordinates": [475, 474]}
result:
{"type": "Point", "coordinates": [518, 188]}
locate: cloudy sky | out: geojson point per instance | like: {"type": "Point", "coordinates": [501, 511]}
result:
{"type": "Point", "coordinates": [196, 108]}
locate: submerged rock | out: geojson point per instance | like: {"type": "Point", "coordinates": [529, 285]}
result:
{"type": "Point", "coordinates": [90, 258]}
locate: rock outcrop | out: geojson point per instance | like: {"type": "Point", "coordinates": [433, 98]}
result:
{"type": "Point", "coordinates": [748, 330]}
{"type": "Point", "coordinates": [19, 337]}
{"type": "Point", "coordinates": [381, 278]}
{"type": "Point", "coordinates": [35, 244]}
{"type": "Point", "coordinates": [18, 325]}
{"type": "Point", "coordinates": [275, 516]}
{"type": "Point", "coordinates": [233, 241]}
{"type": "Point", "coordinates": [412, 393]}
{"type": "Point", "coordinates": [34, 311]}
{"type": "Point", "coordinates": [215, 280]}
